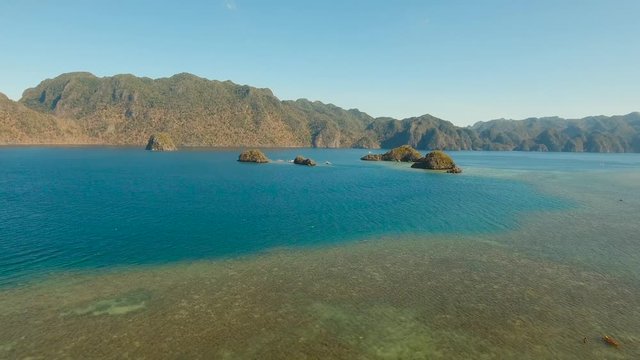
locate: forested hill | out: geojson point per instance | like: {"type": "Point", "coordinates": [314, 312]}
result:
{"type": "Point", "coordinates": [21, 125]}
{"type": "Point", "coordinates": [593, 134]}
{"type": "Point", "coordinates": [80, 108]}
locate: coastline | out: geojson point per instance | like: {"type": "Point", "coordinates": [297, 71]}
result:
{"type": "Point", "coordinates": [275, 148]}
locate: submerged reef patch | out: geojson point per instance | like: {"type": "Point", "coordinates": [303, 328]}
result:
{"type": "Point", "coordinates": [124, 304]}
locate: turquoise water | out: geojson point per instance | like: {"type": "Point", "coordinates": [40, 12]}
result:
{"type": "Point", "coordinates": [117, 253]}
{"type": "Point", "coordinates": [72, 208]}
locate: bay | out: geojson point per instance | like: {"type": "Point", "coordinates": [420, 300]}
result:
{"type": "Point", "coordinates": [115, 253]}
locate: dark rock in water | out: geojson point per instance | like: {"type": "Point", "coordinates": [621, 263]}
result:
{"type": "Point", "coordinates": [372, 157]}
{"type": "Point", "coordinates": [161, 142]}
{"type": "Point", "coordinates": [299, 160]}
{"type": "Point", "coordinates": [253, 155]}
{"type": "Point", "coordinates": [404, 153]}
{"type": "Point", "coordinates": [437, 160]}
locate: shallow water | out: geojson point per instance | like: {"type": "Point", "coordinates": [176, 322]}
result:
{"type": "Point", "coordinates": [547, 266]}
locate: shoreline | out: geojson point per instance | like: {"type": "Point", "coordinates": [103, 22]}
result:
{"type": "Point", "coordinates": [268, 148]}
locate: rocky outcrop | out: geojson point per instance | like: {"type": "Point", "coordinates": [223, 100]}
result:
{"type": "Point", "coordinates": [403, 153]}
{"type": "Point", "coordinates": [253, 155]}
{"type": "Point", "coordinates": [436, 160]}
{"type": "Point", "coordinates": [372, 157]}
{"type": "Point", "coordinates": [161, 142]}
{"type": "Point", "coordinates": [299, 160]}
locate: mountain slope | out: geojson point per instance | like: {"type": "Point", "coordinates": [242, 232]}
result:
{"type": "Point", "coordinates": [424, 132]}
{"type": "Point", "coordinates": [125, 109]}
{"type": "Point", "coordinates": [21, 125]}
{"type": "Point", "coordinates": [331, 126]}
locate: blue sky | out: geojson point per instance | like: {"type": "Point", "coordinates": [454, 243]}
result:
{"type": "Point", "coordinates": [462, 61]}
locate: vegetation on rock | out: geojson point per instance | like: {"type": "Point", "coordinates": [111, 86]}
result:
{"type": "Point", "coordinates": [161, 142]}
{"type": "Point", "coordinates": [404, 153]}
{"type": "Point", "coordinates": [299, 160]}
{"type": "Point", "coordinates": [436, 160]}
{"type": "Point", "coordinates": [253, 155]}
{"type": "Point", "coordinates": [372, 157]}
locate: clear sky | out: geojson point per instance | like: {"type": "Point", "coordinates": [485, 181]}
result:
{"type": "Point", "coordinates": [462, 61]}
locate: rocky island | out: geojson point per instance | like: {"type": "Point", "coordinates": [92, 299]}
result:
{"type": "Point", "coordinates": [299, 160]}
{"type": "Point", "coordinates": [437, 160]}
{"type": "Point", "coordinates": [404, 153]}
{"type": "Point", "coordinates": [161, 142]}
{"type": "Point", "coordinates": [253, 155]}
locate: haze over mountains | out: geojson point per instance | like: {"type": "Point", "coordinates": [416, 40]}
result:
{"type": "Point", "coordinates": [80, 108]}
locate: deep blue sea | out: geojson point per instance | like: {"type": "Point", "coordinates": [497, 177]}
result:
{"type": "Point", "coordinates": [120, 252]}
{"type": "Point", "coordinates": [64, 208]}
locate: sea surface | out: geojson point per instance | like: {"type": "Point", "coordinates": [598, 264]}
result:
{"type": "Point", "coordinates": [120, 252]}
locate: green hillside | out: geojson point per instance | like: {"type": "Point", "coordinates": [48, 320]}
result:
{"type": "Point", "coordinates": [80, 108]}
{"type": "Point", "coordinates": [21, 125]}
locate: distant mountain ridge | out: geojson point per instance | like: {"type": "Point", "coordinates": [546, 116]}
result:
{"type": "Point", "coordinates": [592, 134]}
{"type": "Point", "coordinates": [80, 108]}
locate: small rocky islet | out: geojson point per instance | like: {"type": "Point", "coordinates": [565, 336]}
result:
{"type": "Point", "coordinates": [300, 160]}
{"type": "Point", "coordinates": [161, 142]}
{"type": "Point", "coordinates": [404, 153]}
{"type": "Point", "coordinates": [257, 156]}
{"type": "Point", "coordinates": [437, 160]}
{"type": "Point", "coordinates": [434, 160]}
{"type": "Point", "coordinates": [254, 156]}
